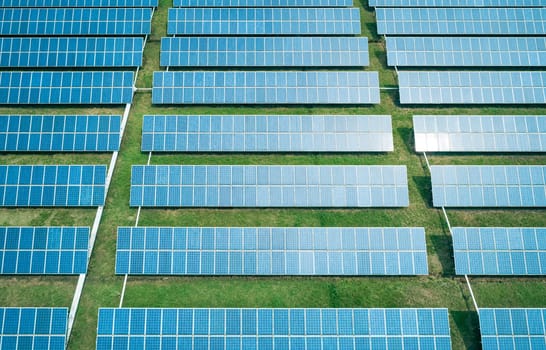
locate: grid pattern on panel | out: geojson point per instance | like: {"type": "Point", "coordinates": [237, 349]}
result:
{"type": "Point", "coordinates": [484, 87]}
{"type": "Point", "coordinates": [457, 3]}
{"type": "Point", "coordinates": [499, 250]}
{"type": "Point", "coordinates": [466, 51]}
{"type": "Point", "coordinates": [488, 186]}
{"type": "Point", "coordinates": [264, 51]}
{"type": "Point", "coordinates": [59, 133]}
{"type": "Point", "coordinates": [457, 21]}
{"type": "Point", "coordinates": [338, 329]}
{"type": "Point", "coordinates": [262, 3]}
{"type": "Point", "coordinates": [71, 52]}
{"type": "Point", "coordinates": [79, 3]}
{"type": "Point", "coordinates": [66, 87]}
{"type": "Point", "coordinates": [249, 87]}
{"type": "Point", "coordinates": [516, 328]}
{"type": "Point", "coordinates": [33, 328]}
{"type": "Point", "coordinates": [43, 250]}
{"type": "Point", "coordinates": [268, 186]}
{"type": "Point", "coordinates": [52, 185]}
{"type": "Point", "coordinates": [273, 133]}
{"type": "Point", "coordinates": [476, 133]}
{"type": "Point", "coordinates": [270, 251]}
{"type": "Point", "coordinates": [264, 21]}
{"type": "Point", "coordinates": [75, 21]}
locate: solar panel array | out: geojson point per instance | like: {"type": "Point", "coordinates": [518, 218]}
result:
{"type": "Point", "coordinates": [43, 250]}
{"type": "Point", "coordinates": [457, 3]}
{"type": "Point", "coordinates": [59, 133]}
{"type": "Point", "coordinates": [268, 186]}
{"type": "Point", "coordinates": [79, 3]}
{"type": "Point", "coordinates": [264, 51]}
{"type": "Point", "coordinates": [52, 185]}
{"type": "Point", "coordinates": [263, 21]}
{"type": "Point", "coordinates": [472, 87]}
{"type": "Point", "coordinates": [262, 3]}
{"type": "Point", "coordinates": [249, 87]}
{"type": "Point", "coordinates": [346, 329]}
{"type": "Point", "coordinates": [270, 251]}
{"type": "Point", "coordinates": [466, 51]}
{"type": "Point", "coordinates": [488, 186]}
{"type": "Point", "coordinates": [33, 328]}
{"type": "Point", "coordinates": [493, 133]}
{"type": "Point", "coordinates": [512, 328]}
{"type": "Point", "coordinates": [271, 133]}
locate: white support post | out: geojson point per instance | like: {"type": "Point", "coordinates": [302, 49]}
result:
{"type": "Point", "coordinates": [426, 161]}
{"type": "Point", "coordinates": [471, 293]}
{"type": "Point", "coordinates": [123, 291]}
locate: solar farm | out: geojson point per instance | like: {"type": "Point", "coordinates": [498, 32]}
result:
{"type": "Point", "coordinates": [258, 174]}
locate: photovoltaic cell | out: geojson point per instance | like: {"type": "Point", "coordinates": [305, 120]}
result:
{"type": "Point", "coordinates": [268, 186]}
{"type": "Point", "coordinates": [52, 185]}
{"type": "Point", "coordinates": [457, 3]}
{"type": "Point", "coordinates": [270, 251]}
{"type": "Point", "coordinates": [59, 133]}
{"type": "Point", "coordinates": [264, 51]}
{"type": "Point", "coordinates": [476, 87]}
{"type": "Point", "coordinates": [476, 133]}
{"type": "Point", "coordinates": [66, 87]}
{"type": "Point", "coordinates": [79, 3]}
{"type": "Point", "coordinates": [512, 328]}
{"type": "Point", "coordinates": [488, 186]}
{"type": "Point", "coordinates": [271, 133]}
{"type": "Point", "coordinates": [33, 328]}
{"type": "Point", "coordinates": [250, 87]}
{"type": "Point", "coordinates": [343, 329]}
{"type": "Point", "coordinates": [262, 3]}
{"type": "Point", "coordinates": [499, 250]}
{"type": "Point", "coordinates": [466, 51]}
{"type": "Point", "coordinates": [263, 21]}
{"type": "Point", "coordinates": [43, 250]}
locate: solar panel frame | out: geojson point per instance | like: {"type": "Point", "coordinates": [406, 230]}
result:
{"type": "Point", "coordinates": [79, 3]}
{"type": "Point", "coordinates": [263, 3]}
{"type": "Point", "coordinates": [457, 3]}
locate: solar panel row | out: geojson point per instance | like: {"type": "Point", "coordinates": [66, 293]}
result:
{"type": "Point", "coordinates": [79, 3]}
{"type": "Point", "coordinates": [457, 3]}
{"type": "Point", "coordinates": [262, 3]}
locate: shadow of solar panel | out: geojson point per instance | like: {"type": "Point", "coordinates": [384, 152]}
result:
{"type": "Point", "coordinates": [263, 3]}
{"type": "Point", "coordinates": [457, 3]}
{"type": "Point", "coordinates": [79, 3]}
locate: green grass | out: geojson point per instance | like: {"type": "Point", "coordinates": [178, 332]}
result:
{"type": "Point", "coordinates": [440, 289]}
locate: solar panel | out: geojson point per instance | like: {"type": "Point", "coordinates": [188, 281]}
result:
{"type": "Point", "coordinates": [66, 87]}
{"type": "Point", "coordinates": [33, 328]}
{"type": "Point", "coordinates": [79, 3]}
{"type": "Point", "coordinates": [43, 250]}
{"type": "Point", "coordinates": [262, 3]}
{"type": "Point", "coordinates": [499, 250]}
{"type": "Point", "coordinates": [475, 87]}
{"type": "Point", "coordinates": [488, 186]}
{"type": "Point", "coordinates": [476, 133]}
{"type": "Point", "coordinates": [512, 328]}
{"type": "Point", "coordinates": [465, 21]}
{"type": "Point", "coordinates": [264, 51]}
{"type": "Point", "coordinates": [457, 3]}
{"type": "Point", "coordinates": [268, 186]}
{"type": "Point", "coordinates": [348, 329]}
{"type": "Point", "coordinates": [250, 87]}
{"type": "Point", "coordinates": [59, 133]}
{"type": "Point", "coordinates": [466, 51]}
{"type": "Point", "coordinates": [52, 185]}
{"type": "Point", "coordinates": [270, 251]}
{"type": "Point", "coordinates": [75, 21]}
{"type": "Point", "coordinates": [271, 133]}
{"type": "Point", "coordinates": [71, 52]}
{"type": "Point", "coordinates": [263, 21]}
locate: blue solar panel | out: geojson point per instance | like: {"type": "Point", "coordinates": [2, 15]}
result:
{"type": "Point", "coordinates": [273, 133]}
{"type": "Point", "coordinates": [270, 251]}
{"type": "Point", "coordinates": [33, 328]}
{"type": "Point", "coordinates": [476, 87]}
{"type": "Point", "coordinates": [71, 52]}
{"type": "Point", "coordinates": [52, 185]}
{"type": "Point", "coordinates": [66, 87]}
{"type": "Point", "coordinates": [264, 51]}
{"type": "Point", "coordinates": [262, 3]}
{"type": "Point", "coordinates": [456, 3]}
{"type": "Point", "coordinates": [59, 133]}
{"type": "Point", "coordinates": [475, 133]}
{"type": "Point", "coordinates": [466, 51]}
{"type": "Point", "coordinates": [268, 186]}
{"type": "Point", "coordinates": [347, 329]}
{"type": "Point", "coordinates": [43, 250]}
{"type": "Point", "coordinates": [513, 328]}
{"type": "Point", "coordinates": [79, 3]}
{"type": "Point", "coordinates": [75, 21]}
{"type": "Point", "coordinates": [465, 21]}
{"type": "Point", "coordinates": [288, 87]}
{"type": "Point", "coordinates": [499, 250]}
{"type": "Point", "coordinates": [488, 186]}
{"type": "Point", "coordinates": [263, 21]}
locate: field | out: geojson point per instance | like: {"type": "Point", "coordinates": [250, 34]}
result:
{"type": "Point", "coordinates": [440, 289]}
